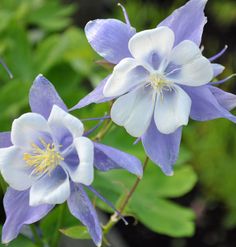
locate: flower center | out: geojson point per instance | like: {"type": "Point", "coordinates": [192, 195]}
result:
{"type": "Point", "coordinates": [43, 160]}
{"type": "Point", "coordinates": [159, 82]}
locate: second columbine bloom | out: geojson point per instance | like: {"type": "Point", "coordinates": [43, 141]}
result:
{"type": "Point", "coordinates": [40, 154]}
{"type": "Point", "coordinates": [150, 83]}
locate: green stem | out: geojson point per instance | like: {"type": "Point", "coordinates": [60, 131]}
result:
{"type": "Point", "coordinates": [3, 185]}
{"type": "Point", "coordinates": [37, 239]}
{"type": "Point", "coordinates": [56, 236]}
{"type": "Point", "coordinates": [115, 218]}
{"type": "Point", "coordinates": [104, 131]}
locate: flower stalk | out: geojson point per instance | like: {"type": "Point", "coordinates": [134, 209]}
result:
{"type": "Point", "coordinates": [114, 217]}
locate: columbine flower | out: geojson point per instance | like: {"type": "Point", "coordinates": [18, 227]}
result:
{"type": "Point", "coordinates": [161, 78]}
{"type": "Point", "coordinates": [150, 83]}
{"type": "Point", "coordinates": [46, 160]}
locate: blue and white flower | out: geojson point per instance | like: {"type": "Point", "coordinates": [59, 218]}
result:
{"type": "Point", "coordinates": [160, 79]}
{"type": "Point", "coordinates": [47, 160]}
{"type": "Point", "coordinates": [150, 83]}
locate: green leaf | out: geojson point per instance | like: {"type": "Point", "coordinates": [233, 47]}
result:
{"type": "Point", "coordinates": [76, 232]}
{"type": "Point", "coordinates": [150, 202]}
{"type": "Point", "coordinates": [177, 185]}
{"type": "Point", "coordinates": [163, 216]}
{"type": "Point", "coordinates": [52, 16]}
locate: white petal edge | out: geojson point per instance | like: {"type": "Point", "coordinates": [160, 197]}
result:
{"type": "Point", "coordinates": [60, 118]}
{"type": "Point", "coordinates": [172, 110]}
{"type": "Point", "coordinates": [124, 78]}
{"type": "Point", "coordinates": [26, 129]}
{"type": "Point", "coordinates": [134, 110]}
{"type": "Point", "coordinates": [159, 40]}
{"type": "Point", "coordinates": [14, 170]}
{"type": "Point", "coordinates": [185, 52]}
{"type": "Point", "coordinates": [50, 189]}
{"type": "Point", "coordinates": [195, 69]}
{"type": "Point", "coordinates": [84, 174]}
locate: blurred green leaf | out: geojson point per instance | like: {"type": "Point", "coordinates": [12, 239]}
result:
{"type": "Point", "coordinates": [163, 216]}
{"type": "Point", "coordinates": [52, 16]}
{"type": "Point", "coordinates": [76, 232]}
{"type": "Point", "coordinates": [150, 198]}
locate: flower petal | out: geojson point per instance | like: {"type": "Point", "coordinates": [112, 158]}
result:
{"type": "Point", "coordinates": [96, 96]}
{"type": "Point", "coordinates": [109, 38]}
{"type": "Point", "coordinates": [134, 110]}
{"type": "Point", "coordinates": [226, 100]}
{"type": "Point", "coordinates": [194, 69]}
{"type": "Point", "coordinates": [217, 69]}
{"type": "Point", "coordinates": [205, 105]}
{"type": "Point", "coordinates": [43, 96]}
{"type": "Point", "coordinates": [126, 75]}
{"type": "Point", "coordinates": [172, 110]}
{"type": "Point", "coordinates": [63, 124]}
{"type": "Point", "coordinates": [107, 158]}
{"type": "Point", "coordinates": [162, 149]}
{"type": "Point", "coordinates": [5, 139]}
{"type": "Point", "coordinates": [53, 188]}
{"type": "Point", "coordinates": [19, 213]}
{"type": "Point", "coordinates": [85, 172]}
{"type": "Point", "coordinates": [187, 22]}
{"type": "Point", "coordinates": [27, 128]}
{"type": "Point", "coordinates": [14, 169]}
{"type": "Point", "coordinates": [81, 207]}
{"type": "Point", "coordinates": [155, 41]}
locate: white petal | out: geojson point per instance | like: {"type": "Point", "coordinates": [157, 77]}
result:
{"type": "Point", "coordinates": [14, 170]}
{"type": "Point", "coordinates": [194, 69]}
{"type": "Point", "coordinates": [52, 188]}
{"type": "Point", "coordinates": [172, 110]}
{"type": "Point", "coordinates": [126, 75]}
{"type": "Point", "coordinates": [85, 172]}
{"type": "Point", "coordinates": [155, 41]}
{"type": "Point", "coordinates": [185, 52]}
{"type": "Point", "coordinates": [134, 110]}
{"type": "Point", "coordinates": [26, 129]}
{"type": "Point", "coordinates": [61, 122]}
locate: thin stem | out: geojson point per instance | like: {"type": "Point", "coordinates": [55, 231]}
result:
{"type": "Point", "coordinates": [3, 185]}
{"type": "Point", "coordinates": [37, 239]}
{"type": "Point", "coordinates": [56, 236]}
{"type": "Point", "coordinates": [104, 131]}
{"type": "Point", "coordinates": [115, 218]}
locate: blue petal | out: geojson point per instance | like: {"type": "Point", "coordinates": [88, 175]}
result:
{"type": "Point", "coordinates": [81, 207]}
{"type": "Point", "coordinates": [96, 96]}
{"type": "Point", "coordinates": [109, 38]}
{"type": "Point", "coordinates": [188, 21]}
{"type": "Point", "coordinates": [5, 139]}
{"type": "Point", "coordinates": [43, 96]}
{"type": "Point", "coordinates": [162, 149]}
{"type": "Point", "coordinates": [19, 213]}
{"type": "Point", "coordinates": [209, 103]}
{"type": "Point", "coordinates": [226, 100]}
{"type": "Point", "coordinates": [107, 158]}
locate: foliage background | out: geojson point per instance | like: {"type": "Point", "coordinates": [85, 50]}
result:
{"type": "Point", "coordinates": [196, 207]}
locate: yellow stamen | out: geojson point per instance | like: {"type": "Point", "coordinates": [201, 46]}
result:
{"type": "Point", "coordinates": [43, 160]}
{"type": "Point", "coordinates": [159, 82]}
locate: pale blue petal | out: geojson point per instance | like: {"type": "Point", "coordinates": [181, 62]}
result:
{"type": "Point", "coordinates": [162, 149]}
{"type": "Point", "coordinates": [81, 207]}
{"type": "Point", "coordinates": [107, 158]}
{"type": "Point", "coordinates": [19, 213]}
{"type": "Point", "coordinates": [187, 22]}
{"type": "Point", "coordinates": [109, 38]}
{"type": "Point", "coordinates": [43, 96]}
